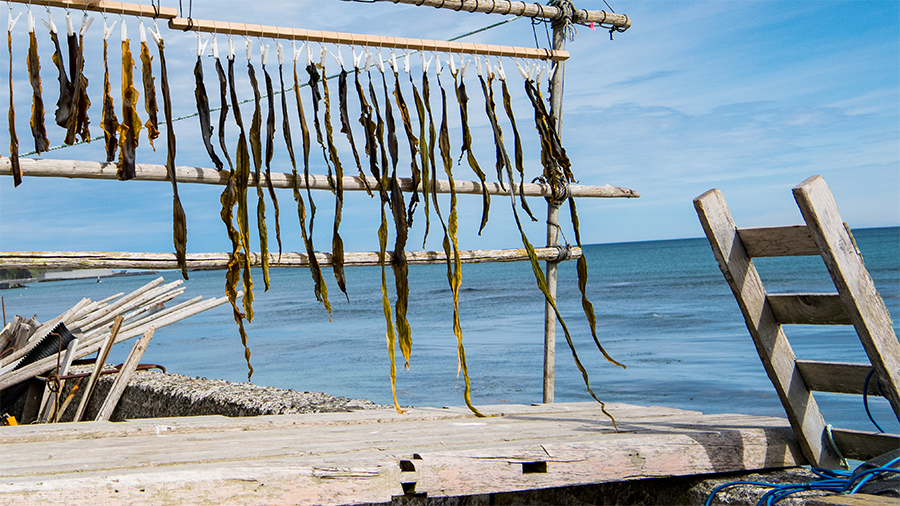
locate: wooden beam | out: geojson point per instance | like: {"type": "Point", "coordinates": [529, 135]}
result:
{"type": "Point", "coordinates": [845, 264]}
{"type": "Point", "coordinates": [808, 309]}
{"type": "Point", "coordinates": [127, 9]}
{"type": "Point", "coordinates": [790, 241]}
{"type": "Point", "coordinates": [355, 39]}
{"type": "Point", "coordinates": [77, 169]}
{"type": "Point", "coordinates": [124, 260]}
{"type": "Point", "coordinates": [123, 377]}
{"type": "Point", "coordinates": [98, 367]}
{"type": "Point", "coordinates": [529, 10]}
{"type": "Point", "coordinates": [862, 445]}
{"type": "Point", "coordinates": [837, 377]}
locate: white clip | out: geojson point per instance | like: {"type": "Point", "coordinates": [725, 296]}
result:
{"type": "Point", "coordinates": [157, 37]}
{"type": "Point", "coordinates": [323, 56]}
{"type": "Point", "coordinates": [356, 59]}
{"type": "Point", "coordinates": [280, 50]}
{"type": "Point", "coordinates": [70, 30]}
{"type": "Point", "coordinates": [124, 31]}
{"type": "Point", "coordinates": [426, 63]}
{"type": "Point", "coordinates": [107, 30]}
{"type": "Point", "coordinates": [521, 70]}
{"type": "Point", "coordinates": [487, 67]}
{"type": "Point", "coordinates": [380, 63]}
{"type": "Point", "coordinates": [369, 60]}
{"type": "Point", "coordinates": [540, 73]}
{"type": "Point", "coordinates": [30, 22]}
{"type": "Point", "coordinates": [201, 47]}
{"type": "Point", "coordinates": [248, 46]}
{"type": "Point", "coordinates": [463, 69]}
{"type": "Point", "coordinates": [438, 67]}
{"type": "Point", "coordinates": [296, 52]}
{"type": "Point", "coordinates": [338, 58]}
{"type": "Point", "coordinates": [12, 22]}
{"type": "Point", "coordinates": [143, 33]}
{"type": "Point", "coordinates": [451, 61]}
{"type": "Point", "coordinates": [230, 48]}
{"type": "Point", "coordinates": [551, 70]}
{"type": "Point", "coordinates": [215, 46]}
{"type": "Point", "coordinates": [50, 24]}
{"type": "Point", "coordinates": [308, 54]}
{"type": "Point", "coordinates": [264, 53]}
{"type": "Point", "coordinates": [478, 66]}
{"type": "Point", "coordinates": [86, 22]}
{"type": "Point", "coordinates": [499, 69]}
{"type": "Point", "coordinates": [406, 64]}
{"type": "Point", "coordinates": [393, 61]}
{"type": "Point", "coordinates": [531, 68]}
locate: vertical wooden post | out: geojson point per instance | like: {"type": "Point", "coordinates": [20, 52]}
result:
{"type": "Point", "coordinates": [556, 96]}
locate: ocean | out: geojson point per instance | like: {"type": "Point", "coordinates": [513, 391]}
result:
{"type": "Point", "coordinates": [663, 309]}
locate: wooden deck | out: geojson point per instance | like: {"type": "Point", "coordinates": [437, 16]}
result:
{"type": "Point", "coordinates": [373, 456]}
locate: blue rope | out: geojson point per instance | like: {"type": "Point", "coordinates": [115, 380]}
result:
{"type": "Point", "coordinates": [866, 398]}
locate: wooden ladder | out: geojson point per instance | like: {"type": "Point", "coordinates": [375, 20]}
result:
{"type": "Point", "coordinates": [856, 302]}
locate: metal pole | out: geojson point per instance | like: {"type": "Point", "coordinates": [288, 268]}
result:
{"type": "Point", "coordinates": [556, 96]}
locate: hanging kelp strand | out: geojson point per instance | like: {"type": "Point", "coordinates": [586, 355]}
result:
{"type": "Point", "coordinates": [463, 99]}
{"type": "Point", "coordinates": [454, 275]}
{"type": "Point", "coordinates": [345, 120]}
{"type": "Point", "coordinates": [78, 122]}
{"type": "Point", "coordinates": [316, 98]}
{"type": "Point", "coordinates": [206, 129]}
{"type": "Point", "coordinates": [179, 222]}
{"type": "Point", "coordinates": [38, 130]}
{"type": "Point", "coordinates": [489, 107]}
{"type": "Point", "coordinates": [11, 116]}
{"type": "Point", "coordinates": [517, 140]}
{"type": "Point", "coordinates": [424, 148]}
{"type": "Point", "coordinates": [131, 123]}
{"type": "Point", "coordinates": [337, 243]}
{"type": "Point", "coordinates": [242, 181]}
{"type": "Point", "coordinates": [223, 107]}
{"type": "Point", "coordinates": [413, 141]}
{"type": "Point", "coordinates": [64, 104]}
{"type": "Point", "coordinates": [109, 123]}
{"type": "Point", "coordinates": [321, 289]}
{"type": "Point", "coordinates": [149, 82]}
{"type": "Point", "coordinates": [256, 150]}
{"type": "Point", "coordinates": [270, 147]}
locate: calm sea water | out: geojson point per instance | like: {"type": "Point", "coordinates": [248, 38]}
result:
{"type": "Point", "coordinates": [663, 309]}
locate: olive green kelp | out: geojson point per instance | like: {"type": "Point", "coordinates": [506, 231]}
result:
{"type": "Point", "coordinates": [463, 99]}
{"type": "Point", "coordinates": [13, 139]}
{"type": "Point", "coordinates": [425, 148]}
{"type": "Point", "coordinates": [454, 275]}
{"type": "Point", "coordinates": [149, 82]}
{"type": "Point", "coordinates": [38, 130]}
{"type": "Point", "coordinates": [270, 147]}
{"type": "Point", "coordinates": [321, 289]}
{"type": "Point", "coordinates": [337, 183]}
{"type": "Point", "coordinates": [179, 222]}
{"type": "Point", "coordinates": [228, 200]}
{"type": "Point", "coordinates": [517, 140]}
{"type": "Point", "coordinates": [78, 122]}
{"type": "Point", "coordinates": [241, 180]}
{"type": "Point", "coordinates": [413, 141]}
{"type": "Point", "coordinates": [109, 123]}
{"type": "Point", "coordinates": [256, 150]}
{"type": "Point", "coordinates": [131, 123]}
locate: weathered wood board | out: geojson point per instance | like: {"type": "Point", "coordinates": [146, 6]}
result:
{"type": "Point", "coordinates": [347, 458]}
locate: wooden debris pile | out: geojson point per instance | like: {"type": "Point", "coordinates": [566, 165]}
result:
{"type": "Point", "coordinates": [29, 349]}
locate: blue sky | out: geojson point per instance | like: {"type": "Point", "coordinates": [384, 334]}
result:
{"type": "Point", "coordinates": [748, 97]}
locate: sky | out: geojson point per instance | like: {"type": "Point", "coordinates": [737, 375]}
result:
{"type": "Point", "coordinates": [751, 97]}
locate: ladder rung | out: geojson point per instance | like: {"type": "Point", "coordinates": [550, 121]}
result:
{"type": "Point", "coordinates": [862, 445]}
{"type": "Point", "coordinates": [808, 309]}
{"type": "Point", "coordinates": [836, 377]}
{"type": "Point", "coordinates": [790, 241]}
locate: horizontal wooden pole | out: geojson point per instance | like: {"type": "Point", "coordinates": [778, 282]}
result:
{"type": "Point", "coordinates": [124, 260]}
{"type": "Point", "coordinates": [837, 377]}
{"type": "Point", "coordinates": [77, 169]}
{"type": "Point", "coordinates": [808, 309]}
{"type": "Point", "coordinates": [355, 39]}
{"type": "Point", "coordinates": [127, 9]}
{"type": "Point", "coordinates": [529, 10]}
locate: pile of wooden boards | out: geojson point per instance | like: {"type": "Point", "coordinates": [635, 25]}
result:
{"type": "Point", "coordinates": [96, 327]}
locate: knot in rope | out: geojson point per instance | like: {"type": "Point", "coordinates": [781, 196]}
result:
{"type": "Point", "coordinates": [564, 252]}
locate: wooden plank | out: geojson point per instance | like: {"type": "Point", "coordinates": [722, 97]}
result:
{"type": "Point", "coordinates": [772, 345]}
{"type": "Point", "coordinates": [148, 172]}
{"type": "Point", "coordinates": [789, 241]}
{"type": "Point", "coordinates": [862, 445]}
{"type": "Point", "coordinates": [127, 9]}
{"type": "Point", "coordinates": [124, 376]}
{"type": "Point", "coordinates": [837, 377]}
{"type": "Point", "coordinates": [808, 309]}
{"type": "Point", "coordinates": [158, 261]}
{"type": "Point", "coordinates": [98, 366]}
{"type": "Point", "coordinates": [855, 286]}
{"type": "Point", "coordinates": [851, 500]}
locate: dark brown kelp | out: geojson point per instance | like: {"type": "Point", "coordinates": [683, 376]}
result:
{"type": "Point", "coordinates": [38, 130]}
{"type": "Point", "coordinates": [337, 243]}
{"type": "Point", "coordinates": [424, 149]}
{"type": "Point", "coordinates": [64, 104]}
{"type": "Point", "coordinates": [109, 123]}
{"type": "Point", "coordinates": [398, 259]}
{"type": "Point", "coordinates": [454, 275]}
{"type": "Point", "coordinates": [242, 181]}
{"type": "Point", "coordinates": [206, 129]}
{"type": "Point", "coordinates": [316, 98]}
{"type": "Point", "coordinates": [223, 108]}
{"type": "Point", "coordinates": [345, 124]}
{"type": "Point", "coordinates": [179, 222]}
{"type": "Point", "coordinates": [149, 82]}
{"type": "Point", "coordinates": [517, 140]}
{"type": "Point", "coordinates": [78, 122]}
{"type": "Point", "coordinates": [131, 123]}
{"type": "Point", "coordinates": [315, 270]}
{"type": "Point", "coordinates": [413, 144]}
{"type": "Point", "coordinates": [463, 99]}
{"type": "Point", "coordinates": [13, 139]}
{"type": "Point", "coordinates": [270, 147]}
{"type": "Point", "coordinates": [490, 109]}
{"type": "Point", "coordinates": [256, 150]}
